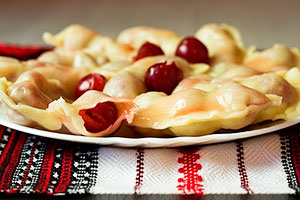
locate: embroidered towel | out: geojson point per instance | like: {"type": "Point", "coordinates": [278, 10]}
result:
{"type": "Point", "coordinates": [264, 164]}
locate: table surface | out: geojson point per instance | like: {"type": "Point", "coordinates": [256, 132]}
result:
{"type": "Point", "coordinates": [261, 24]}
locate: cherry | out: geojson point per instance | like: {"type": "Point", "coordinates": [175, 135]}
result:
{"type": "Point", "coordinates": [100, 117]}
{"type": "Point", "coordinates": [191, 49]}
{"type": "Point", "coordinates": [90, 82]}
{"type": "Point", "coordinates": [163, 77]}
{"type": "Point", "coordinates": [148, 49]}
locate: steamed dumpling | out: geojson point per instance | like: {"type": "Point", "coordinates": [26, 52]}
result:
{"type": "Point", "coordinates": [33, 89]}
{"type": "Point", "coordinates": [194, 112]}
{"type": "Point", "coordinates": [277, 89]}
{"type": "Point", "coordinates": [137, 36]}
{"type": "Point", "coordinates": [30, 109]}
{"type": "Point", "coordinates": [276, 58]}
{"type": "Point", "coordinates": [68, 76]}
{"type": "Point", "coordinates": [202, 82]}
{"type": "Point", "coordinates": [223, 42]}
{"type": "Point", "coordinates": [78, 38]}
{"type": "Point", "coordinates": [124, 85]}
{"type": "Point", "coordinates": [11, 68]}
{"type": "Point", "coordinates": [69, 112]}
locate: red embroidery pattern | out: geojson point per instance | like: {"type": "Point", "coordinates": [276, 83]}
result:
{"type": "Point", "coordinates": [242, 168]}
{"type": "Point", "coordinates": [30, 164]}
{"type": "Point", "coordinates": [45, 173]}
{"type": "Point", "coordinates": [65, 176]}
{"type": "Point", "coordinates": [2, 131]}
{"type": "Point", "coordinates": [7, 149]}
{"type": "Point", "coordinates": [139, 170]}
{"type": "Point", "coordinates": [5, 157]}
{"type": "Point", "coordinates": [13, 161]}
{"type": "Point", "coordinates": [191, 181]}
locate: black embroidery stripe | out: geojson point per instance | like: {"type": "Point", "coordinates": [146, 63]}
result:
{"type": "Point", "coordinates": [294, 137]}
{"type": "Point", "coordinates": [242, 168]}
{"type": "Point", "coordinates": [287, 163]}
{"type": "Point", "coordinates": [35, 168]}
{"type": "Point", "coordinates": [92, 168]}
{"type": "Point", "coordinates": [78, 171]}
{"type": "Point", "coordinates": [94, 160]}
{"type": "Point", "coordinates": [5, 133]}
{"type": "Point", "coordinates": [23, 163]}
{"type": "Point", "coordinates": [84, 170]}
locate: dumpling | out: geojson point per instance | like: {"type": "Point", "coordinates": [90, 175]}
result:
{"type": "Point", "coordinates": [277, 89]}
{"type": "Point", "coordinates": [271, 83]}
{"type": "Point", "coordinates": [193, 112]}
{"type": "Point", "coordinates": [224, 43]}
{"type": "Point", "coordinates": [69, 113]}
{"type": "Point", "coordinates": [78, 38]}
{"type": "Point", "coordinates": [210, 83]}
{"type": "Point", "coordinates": [68, 76]}
{"type": "Point", "coordinates": [57, 58]}
{"type": "Point", "coordinates": [11, 68]}
{"type": "Point", "coordinates": [33, 89]}
{"type": "Point", "coordinates": [292, 76]}
{"type": "Point", "coordinates": [124, 85]}
{"type": "Point", "coordinates": [112, 68]}
{"type": "Point", "coordinates": [281, 93]}
{"type": "Point", "coordinates": [137, 36]}
{"type": "Point", "coordinates": [25, 103]}
{"type": "Point", "coordinates": [82, 59]}
{"type": "Point", "coordinates": [72, 38]}
{"type": "Point", "coordinates": [279, 57]}
{"type": "Point", "coordinates": [239, 72]}
{"type": "Point", "coordinates": [202, 82]}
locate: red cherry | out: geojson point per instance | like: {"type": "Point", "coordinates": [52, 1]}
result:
{"type": "Point", "coordinates": [163, 77]}
{"type": "Point", "coordinates": [90, 82]}
{"type": "Point", "coordinates": [148, 49]}
{"type": "Point", "coordinates": [191, 49]}
{"type": "Point", "coordinates": [100, 117]}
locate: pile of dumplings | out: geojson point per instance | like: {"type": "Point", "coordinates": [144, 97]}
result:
{"type": "Point", "coordinates": [239, 86]}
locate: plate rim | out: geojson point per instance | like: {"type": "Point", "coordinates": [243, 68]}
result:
{"type": "Point", "coordinates": [150, 142]}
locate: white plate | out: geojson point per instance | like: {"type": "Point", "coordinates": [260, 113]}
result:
{"type": "Point", "coordinates": [151, 142]}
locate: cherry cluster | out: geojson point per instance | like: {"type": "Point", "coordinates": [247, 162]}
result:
{"type": "Point", "coordinates": [161, 77]}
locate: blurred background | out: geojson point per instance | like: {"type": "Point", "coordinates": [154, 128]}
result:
{"type": "Point", "coordinates": [261, 23]}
